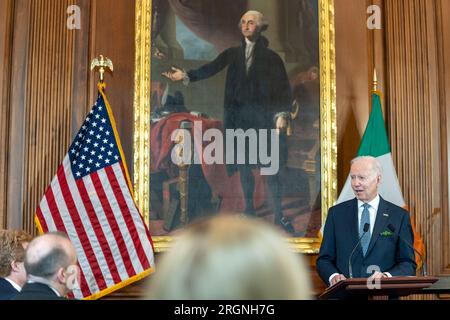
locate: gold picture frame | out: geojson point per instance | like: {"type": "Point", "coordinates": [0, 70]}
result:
{"type": "Point", "coordinates": [141, 160]}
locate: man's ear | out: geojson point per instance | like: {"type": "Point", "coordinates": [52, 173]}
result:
{"type": "Point", "coordinates": [378, 179]}
{"type": "Point", "coordinates": [15, 266]}
{"type": "Point", "coordinates": [61, 275]}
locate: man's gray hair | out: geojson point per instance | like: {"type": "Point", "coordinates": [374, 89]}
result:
{"type": "Point", "coordinates": [261, 22]}
{"type": "Point", "coordinates": [376, 165]}
{"type": "Point", "coordinates": [47, 265]}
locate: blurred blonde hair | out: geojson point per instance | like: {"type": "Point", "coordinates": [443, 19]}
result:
{"type": "Point", "coordinates": [11, 249]}
{"type": "Point", "coordinates": [230, 257]}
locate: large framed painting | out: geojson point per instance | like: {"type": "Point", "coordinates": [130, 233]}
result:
{"type": "Point", "coordinates": [202, 74]}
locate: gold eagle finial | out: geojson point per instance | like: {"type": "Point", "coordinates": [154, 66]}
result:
{"type": "Point", "coordinates": [102, 63]}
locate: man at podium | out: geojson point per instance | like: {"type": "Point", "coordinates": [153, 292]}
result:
{"type": "Point", "coordinates": [363, 237]}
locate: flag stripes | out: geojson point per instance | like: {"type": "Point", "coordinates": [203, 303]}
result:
{"type": "Point", "coordinates": [90, 200]}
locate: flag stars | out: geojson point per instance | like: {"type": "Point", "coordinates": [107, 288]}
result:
{"type": "Point", "coordinates": [94, 146]}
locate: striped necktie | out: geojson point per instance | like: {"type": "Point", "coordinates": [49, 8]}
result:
{"type": "Point", "coordinates": [365, 218]}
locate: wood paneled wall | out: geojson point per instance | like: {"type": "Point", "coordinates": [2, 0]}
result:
{"type": "Point", "coordinates": [47, 88]}
{"type": "Point", "coordinates": [5, 74]}
{"type": "Point", "coordinates": [417, 110]}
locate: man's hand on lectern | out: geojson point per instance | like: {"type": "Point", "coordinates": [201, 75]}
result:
{"type": "Point", "coordinates": [337, 278]}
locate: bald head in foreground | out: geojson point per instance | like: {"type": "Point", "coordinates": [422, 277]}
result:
{"type": "Point", "coordinates": [370, 218]}
{"type": "Point", "coordinates": [230, 257]}
{"type": "Point", "coordinates": [50, 262]}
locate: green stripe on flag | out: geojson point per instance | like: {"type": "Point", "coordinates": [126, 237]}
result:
{"type": "Point", "coordinates": [375, 141]}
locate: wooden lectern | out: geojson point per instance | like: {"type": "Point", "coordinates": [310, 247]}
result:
{"type": "Point", "coordinates": [360, 288]}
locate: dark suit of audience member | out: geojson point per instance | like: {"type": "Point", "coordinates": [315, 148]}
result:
{"type": "Point", "coordinates": [380, 250]}
{"type": "Point", "coordinates": [38, 291]}
{"type": "Point", "coordinates": [7, 291]}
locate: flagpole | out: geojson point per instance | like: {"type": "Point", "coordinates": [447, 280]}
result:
{"type": "Point", "coordinates": [375, 80]}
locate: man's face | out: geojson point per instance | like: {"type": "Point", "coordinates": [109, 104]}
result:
{"type": "Point", "coordinates": [248, 27]}
{"type": "Point", "coordinates": [364, 180]}
{"type": "Point", "coordinates": [21, 274]}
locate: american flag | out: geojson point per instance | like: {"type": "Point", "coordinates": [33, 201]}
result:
{"type": "Point", "coordinates": [91, 200]}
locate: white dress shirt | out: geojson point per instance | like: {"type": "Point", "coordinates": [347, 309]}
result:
{"type": "Point", "coordinates": [373, 208]}
{"type": "Point", "coordinates": [249, 48]}
{"type": "Point", "coordinates": [14, 284]}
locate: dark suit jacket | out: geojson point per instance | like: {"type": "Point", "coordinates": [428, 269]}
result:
{"type": "Point", "coordinates": [389, 253]}
{"type": "Point", "coordinates": [37, 291]}
{"type": "Point", "coordinates": [251, 99]}
{"type": "Point", "coordinates": [7, 291]}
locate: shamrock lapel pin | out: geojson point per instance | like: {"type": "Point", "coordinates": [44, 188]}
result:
{"type": "Point", "coordinates": [386, 233]}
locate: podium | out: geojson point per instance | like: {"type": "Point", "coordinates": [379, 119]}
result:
{"type": "Point", "coordinates": [360, 288]}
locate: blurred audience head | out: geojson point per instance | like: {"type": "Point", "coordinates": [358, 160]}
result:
{"type": "Point", "coordinates": [12, 254]}
{"type": "Point", "coordinates": [230, 257]}
{"type": "Point", "coordinates": [51, 259]}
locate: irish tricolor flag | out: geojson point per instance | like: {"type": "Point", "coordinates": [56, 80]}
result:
{"type": "Point", "coordinates": [375, 143]}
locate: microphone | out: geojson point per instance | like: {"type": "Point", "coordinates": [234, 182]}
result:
{"type": "Point", "coordinates": [424, 264]}
{"type": "Point", "coordinates": [365, 229]}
